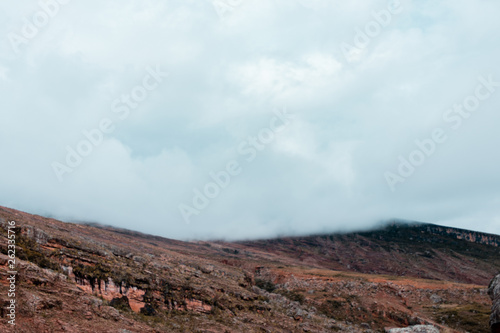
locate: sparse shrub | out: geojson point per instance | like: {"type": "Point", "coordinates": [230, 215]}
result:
{"type": "Point", "coordinates": [120, 303]}
{"type": "Point", "coordinates": [265, 285]}
{"type": "Point", "coordinates": [332, 308]}
{"type": "Point", "coordinates": [30, 252]}
{"type": "Point", "coordinates": [95, 274]}
{"type": "Point", "coordinates": [231, 251]}
{"type": "Point", "coordinates": [148, 310]}
{"type": "Point", "coordinates": [292, 295]}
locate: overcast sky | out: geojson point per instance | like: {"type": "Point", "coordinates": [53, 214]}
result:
{"type": "Point", "coordinates": [312, 116]}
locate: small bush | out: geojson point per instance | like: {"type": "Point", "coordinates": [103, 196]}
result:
{"type": "Point", "coordinates": [121, 304]}
{"type": "Point", "coordinates": [265, 285]}
{"type": "Point", "coordinates": [292, 295]}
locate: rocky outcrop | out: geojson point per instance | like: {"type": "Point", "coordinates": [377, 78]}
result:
{"type": "Point", "coordinates": [470, 236]}
{"type": "Point", "coordinates": [109, 290]}
{"type": "Point", "coordinates": [414, 329]}
{"type": "Point", "coordinates": [37, 235]}
{"type": "Point", "coordinates": [494, 292]}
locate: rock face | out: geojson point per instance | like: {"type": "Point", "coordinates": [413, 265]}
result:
{"type": "Point", "coordinates": [494, 292]}
{"type": "Point", "coordinates": [109, 291]}
{"type": "Point", "coordinates": [414, 329]}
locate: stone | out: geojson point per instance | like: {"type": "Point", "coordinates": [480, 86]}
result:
{"type": "Point", "coordinates": [494, 293]}
{"type": "Point", "coordinates": [413, 329]}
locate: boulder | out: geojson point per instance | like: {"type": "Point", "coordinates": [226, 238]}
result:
{"type": "Point", "coordinates": [494, 292]}
{"type": "Point", "coordinates": [414, 329]}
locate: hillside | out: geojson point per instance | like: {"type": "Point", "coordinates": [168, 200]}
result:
{"type": "Point", "coordinates": [417, 250]}
{"type": "Point", "coordinates": [89, 278]}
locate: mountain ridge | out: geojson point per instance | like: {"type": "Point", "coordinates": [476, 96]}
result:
{"type": "Point", "coordinates": [83, 278]}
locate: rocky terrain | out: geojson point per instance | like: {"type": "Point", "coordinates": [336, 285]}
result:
{"type": "Point", "coordinates": [418, 250]}
{"type": "Point", "coordinates": [90, 278]}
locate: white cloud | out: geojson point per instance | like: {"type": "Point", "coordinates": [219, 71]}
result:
{"type": "Point", "coordinates": [3, 73]}
{"type": "Point", "coordinates": [324, 172]}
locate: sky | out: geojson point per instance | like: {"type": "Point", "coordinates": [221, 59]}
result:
{"type": "Point", "coordinates": [237, 119]}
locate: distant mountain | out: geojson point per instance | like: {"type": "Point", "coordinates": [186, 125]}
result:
{"type": "Point", "coordinates": [92, 278]}
{"type": "Point", "coordinates": [415, 249]}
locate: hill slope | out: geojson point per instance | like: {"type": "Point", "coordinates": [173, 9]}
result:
{"type": "Point", "coordinates": [81, 278]}
{"type": "Point", "coordinates": [417, 250]}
